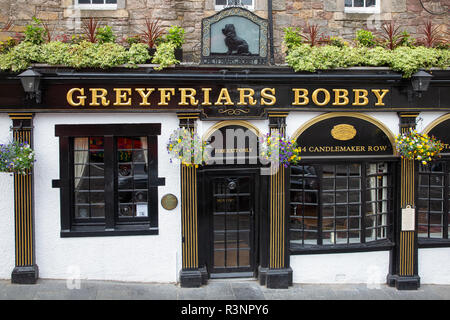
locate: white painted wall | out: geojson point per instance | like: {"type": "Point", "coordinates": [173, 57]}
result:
{"type": "Point", "coordinates": [149, 258]}
{"type": "Point", "coordinates": [434, 265]}
{"type": "Point", "coordinates": [358, 267]}
{"type": "Point", "coordinates": [6, 209]}
{"type": "Point", "coordinates": [157, 258]}
{"type": "Point", "coordinates": [425, 118]}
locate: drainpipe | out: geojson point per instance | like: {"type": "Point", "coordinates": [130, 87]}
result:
{"type": "Point", "coordinates": [269, 9]}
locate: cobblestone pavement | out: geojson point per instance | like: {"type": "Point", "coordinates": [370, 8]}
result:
{"type": "Point", "coordinates": [214, 290]}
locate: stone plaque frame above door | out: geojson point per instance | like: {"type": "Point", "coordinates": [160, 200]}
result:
{"type": "Point", "coordinates": [238, 51]}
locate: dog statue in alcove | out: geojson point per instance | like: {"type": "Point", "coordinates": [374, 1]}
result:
{"type": "Point", "coordinates": [235, 44]}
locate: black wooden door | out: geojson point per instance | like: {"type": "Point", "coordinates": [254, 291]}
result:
{"type": "Point", "coordinates": [232, 220]}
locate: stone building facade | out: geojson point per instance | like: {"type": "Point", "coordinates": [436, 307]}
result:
{"type": "Point", "coordinates": [128, 17]}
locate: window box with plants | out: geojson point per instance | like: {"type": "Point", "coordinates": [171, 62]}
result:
{"type": "Point", "coordinates": [95, 48]}
{"type": "Point", "coordinates": [309, 50]}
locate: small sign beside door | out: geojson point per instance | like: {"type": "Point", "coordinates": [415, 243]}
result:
{"type": "Point", "coordinates": [408, 218]}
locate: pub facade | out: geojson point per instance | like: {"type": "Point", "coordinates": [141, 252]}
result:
{"type": "Point", "coordinates": [106, 201]}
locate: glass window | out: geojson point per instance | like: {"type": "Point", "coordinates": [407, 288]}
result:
{"type": "Point", "coordinates": [362, 6]}
{"type": "Point", "coordinates": [433, 200]}
{"type": "Point", "coordinates": [97, 4]}
{"type": "Point", "coordinates": [339, 203]}
{"type": "Point", "coordinates": [111, 178]}
{"type": "Point", "coordinates": [89, 174]}
{"type": "Point", "coordinates": [221, 4]}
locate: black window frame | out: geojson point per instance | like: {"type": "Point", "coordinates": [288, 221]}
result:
{"type": "Point", "coordinates": [111, 226]}
{"type": "Point", "coordinates": [428, 242]}
{"type": "Point", "coordinates": [392, 216]}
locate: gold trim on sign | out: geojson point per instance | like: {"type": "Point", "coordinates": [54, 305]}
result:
{"type": "Point", "coordinates": [436, 122]}
{"type": "Point", "coordinates": [361, 116]}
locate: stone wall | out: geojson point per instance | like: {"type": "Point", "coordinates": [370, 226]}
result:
{"type": "Point", "coordinates": [129, 18]}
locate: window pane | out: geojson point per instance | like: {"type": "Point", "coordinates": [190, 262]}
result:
{"type": "Point", "coordinates": [348, 3]}
{"type": "Point", "coordinates": [358, 3]}
{"type": "Point", "coordinates": [84, 1]}
{"type": "Point", "coordinates": [88, 177]}
{"type": "Point", "coordinates": [98, 1]}
{"type": "Point", "coordinates": [370, 3]}
{"type": "Point", "coordinates": [81, 211]}
{"type": "Point", "coordinates": [132, 155]}
{"type": "Point", "coordinates": [220, 2]}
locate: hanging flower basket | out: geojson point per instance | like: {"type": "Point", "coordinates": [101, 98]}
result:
{"type": "Point", "coordinates": [278, 149]}
{"type": "Point", "coordinates": [187, 147]}
{"type": "Point", "coordinates": [412, 145]}
{"type": "Point", "coordinates": [16, 157]}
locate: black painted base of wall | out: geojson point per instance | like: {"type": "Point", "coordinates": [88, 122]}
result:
{"type": "Point", "coordinates": [205, 275]}
{"type": "Point", "coordinates": [278, 278]}
{"type": "Point", "coordinates": [191, 278]}
{"type": "Point", "coordinates": [262, 275]}
{"type": "Point", "coordinates": [25, 275]}
{"type": "Point", "coordinates": [403, 282]}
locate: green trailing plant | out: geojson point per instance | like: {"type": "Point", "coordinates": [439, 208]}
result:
{"type": "Point", "coordinates": [292, 38]}
{"type": "Point", "coordinates": [35, 32]}
{"type": "Point", "coordinates": [21, 57]}
{"type": "Point", "coordinates": [402, 59]}
{"type": "Point", "coordinates": [165, 55]}
{"type": "Point", "coordinates": [105, 35]}
{"type": "Point", "coordinates": [132, 40]}
{"type": "Point", "coordinates": [365, 38]}
{"type": "Point", "coordinates": [55, 53]}
{"type": "Point", "coordinates": [77, 38]}
{"type": "Point", "coordinates": [8, 44]}
{"type": "Point", "coordinates": [337, 42]}
{"type": "Point", "coordinates": [137, 54]}
{"type": "Point", "coordinates": [16, 157]}
{"type": "Point", "coordinates": [175, 35]}
{"type": "Point", "coordinates": [407, 40]}
{"type": "Point", "coordinates": [96, 55]}
{"type": "Point", "coordinates": [410, 60]}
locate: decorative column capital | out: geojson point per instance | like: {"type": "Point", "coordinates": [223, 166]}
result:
{"type": "Point", "coordinates": [187, 119]}
{"type": "Point", "coordinates": [407, 120]}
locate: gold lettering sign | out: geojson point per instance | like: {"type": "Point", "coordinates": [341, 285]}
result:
{"type": "Point", "coordinates": [318, 149]}
{"type": "Point", "coordinates": [190, 97]}
{"type": "Point", "coordinates": [343, 132]}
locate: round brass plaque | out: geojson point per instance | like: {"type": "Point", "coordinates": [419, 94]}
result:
{"type": "Point", "coordinates": [169, 201]}
{"type": "Point", "coordinates": [343, 132]}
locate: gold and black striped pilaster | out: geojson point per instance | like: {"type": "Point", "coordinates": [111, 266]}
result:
{"type": "Point", "coordinates": [404, 259]}
{"type": "Point", "coordinates": [279, 274]}
{"type": "Point", "coordinates": [189, 217]}
{"type": "Point", "coordinates": [191, 274]}
{"type": "Point", "coordinates": [26, 270]}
